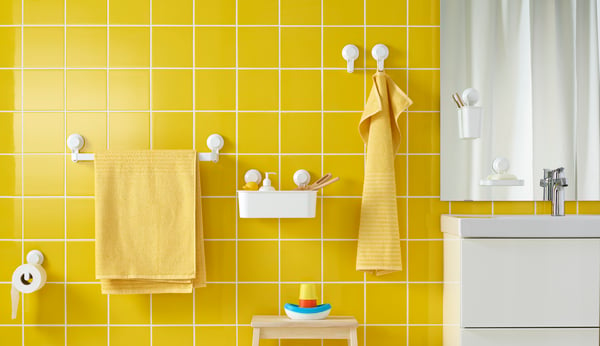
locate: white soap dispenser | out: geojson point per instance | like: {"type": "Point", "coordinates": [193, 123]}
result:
{"type": "Point", "coordinates": [266, 186]}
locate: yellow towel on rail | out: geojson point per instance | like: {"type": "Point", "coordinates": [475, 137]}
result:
{"type": "Point", "coordinates": [379, 238]}
{"type": "Point", "coordinates": [149, 235]}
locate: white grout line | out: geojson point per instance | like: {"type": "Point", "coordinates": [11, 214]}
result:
{"type": "Point", "coordinates": [322, 162]}
{"type": "Point", "coordinates": [107, 139]}
{"type": "Point", "coordinates": [407, 180]}
{"type": "Point", "coordinates": [237, 178]}
{"type": "Point", "coordinates": [65, 163]}
{"type": "Point", "coordinates": [217, 26]}
{"type": "Point", "coordinates": [194, 146]}
{"type": "Point", "coordinates": [279, 155]}
{"type": "Point", "coordinates": [151, 138]}
{"type": "Point", "coordinates": [109, 68]}
{"type": "Point", "coordinates": [22, 174]}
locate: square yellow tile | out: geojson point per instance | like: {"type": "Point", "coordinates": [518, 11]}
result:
{"type": "Point", "coordinates": [80, 218]}
{"type": "Point", "coordinates": [166, 12]}
{"type": "Point", "coordinates": [339, 258]}
{"type": "Point", "coordinates": [10, 175]}
{"type": "Point", "coordinates": [43, 47]}
{"type": "Point", "coordinates": [589, 207]}
{"type": "Point", "coordinates": [223, 173]}
{"type": "Point", "coordinates": [11, 14]}
{"type": "Point", "coordinates": [395, 39]}
{"type": "Point", "coordinates": [43, 175]}
{"type": "Point", "coordinates": [12, 335]}
{"type": "Point", "coordinates": [215, 46]}
{"type": "Point", "coordinates": [10, 218]}
{"type": "Point", "coordinates": [86, 90]}
{"type": "Point", "coordinates": [47, 306]}
{"type": "Point", "coordinates": [307, 12]}
{"type": "Point", "coordinates": [257, 228]}
{"type": "Point", "coordinates": [257, 261]}
{"type": "Point", "coordinates": [386, 303]}
{"type": "Point", "coordinates": [54, 258]}
{"type": "Point", "coordinates": [129, 12]}
{"type": "Point", "coordinates": [424, 217]}
{"type": "Point", "coordinates": [50, 336]}
{"type": "Point", "coordinates": [215, 89]}
{"type": "Point", "coordinates": [43, 90]}
{"type": "Point", "coordinates": [126, 336]}
{"type": "Point", "coordinates": [386, 12]}
{"type": "Point", "coordinates": [86, 47]}
{"type": "Point", "coordinates": [300, 90]}
{"type": "Point", "coordinates": [424, 90]}
{"type": "Point", "coordinates": [92, 336]}
{"type": "Point", "coordinates": [300, 47]}
{"type": "Point", "coordinates": [167, 336]}
{"type": "Point", "coordinates": [291, 163]}
{"type": "Point", "coordinates": [308, 228]}
{"type": "Point", "coordinates": [257, 12]}
{"type": "Point", "coordinates": [218, 218]}
{"type": "Point", "coordinates": [341, 217]}
{"type": "Point", "coordinates": [306, 140]}
{"type": "Point", "coordinates": [129, 131]}
{"type": "Point", "coordinates": [220, 260]}
{"type": "Point", "coordinates": [223, 336]}
{"type": "Point", "coordinates": [425, 335]}
{"type": "Point", "coordinates": [425, 260]}
{"type": "Point", "coordinates": [264, 163]}
{"type": "Point", "coordinates": [424, 51]}
{"type": "Point", "coordinates": [10, 40]}
{"type": "Point", "coordinates": [258, 46]}
{"type": "Point", "coordinates": [334, 40]}
{"type": "Point", "coordinates": [342, 91]}
{"type": "Point", "coordinates": [424, 133]}
{"type": "Point", "coordinates": [11, 251]}
{"type": "Point", "coordinates": [258, 132]}
{"type": "Point", "coordinates": [350, 169]}
{"type": "Point", "coordinates": [47, 12]}
{"type": "Point", "coordinates": [80, 178]}
{"type": "Point", "coordinates": [340, 133]}
{"type": "Point", "coordinates": [215, 304]}
{"type": "Point", "coordinates": [388, 335]}
{"type": "Point", "coordinates": [423, 12]}
{"type": "Point", "coordinates": [129, 47]}
{"type": "Point", "coordinates": [129, 90]}
{"type": "Point", "coordinates": [10, 90]}
{"type": "Point", "coordinates": [424, 175]}
{"type": "Point", "coordinates": [172, 89]}
{"type": "Point", "coordinates": [300, 260]}
{"type": "Point", "coordinates": [258, 90]}
{"type": "Point", "coordinates": [43, 132]}
{"type": "Point", "coordinates": [129, 309]}
{"type": "Point", "coordinates": [172, 130]}
{"type": "Point", "coordinates": [343, 12]}
{"type": "Point", "coordinates": [245, 337]}
{"type": "Point", "coordinates": [222, 123]}
{"type": "Point", "coordinates": [10, 133]}
{"type": "Point", "coordinates": [80, 261]}
{"type": "Point", "coordinates": [256, 299]}
{"type": "Point", "coordinates": [93, 125]}
{"type": "Point", "coordinates": [86, 12]}
{"type": "Point", "coordinates": [471, 208]}
{"type": "Point", "coordinates": [172, 46]}
{"type": "Point", "coordinates": [347, 298]}
{"type": "Point", "coordinates": [87, 295]}
{"type": "Point", "coordinates": [215, 12]}
{"type": "Point", "coordinates": [172, 308]}
{"type": "Point", "coordinates": [425, 301]}
{"type": "Point", "coordinates": [44, 218]}
{"type": "Point", "coordinates": [512, 208]}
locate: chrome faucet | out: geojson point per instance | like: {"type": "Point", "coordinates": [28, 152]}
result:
{"type": "Point", "coordinates": [554, 182]}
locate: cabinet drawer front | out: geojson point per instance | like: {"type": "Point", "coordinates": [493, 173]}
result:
{"type": "Point", "coordinates": [530, 282]}
{"type": "Point", "coordinates": [530, 337]}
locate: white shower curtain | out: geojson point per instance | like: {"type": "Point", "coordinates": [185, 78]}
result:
{"type": "Point", "coordinates": [535, 63]}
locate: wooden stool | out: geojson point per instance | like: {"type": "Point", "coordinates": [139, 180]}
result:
{"type": "Point", "coordinates": [281, 327]}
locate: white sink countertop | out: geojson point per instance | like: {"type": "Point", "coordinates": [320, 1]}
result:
{"type": "Point", "coordinates": [523, 226]}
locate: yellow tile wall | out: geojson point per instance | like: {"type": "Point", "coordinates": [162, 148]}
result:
{"type": "Point", "coordinates": [266, 74]}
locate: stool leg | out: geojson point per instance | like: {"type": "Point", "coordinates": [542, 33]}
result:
{"type": "Point", "coordinates": [353, 341]}
{"type": "Point", "coordinates": [255, 336]}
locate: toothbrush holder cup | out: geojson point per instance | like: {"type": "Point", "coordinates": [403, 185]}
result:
{"type": "Point", "coordinates": [469, 122]}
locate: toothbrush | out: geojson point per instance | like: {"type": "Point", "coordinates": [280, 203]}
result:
{"type": "Point", "coordinates": [459, 102]}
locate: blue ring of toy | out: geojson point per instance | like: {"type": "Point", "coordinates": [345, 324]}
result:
{"type": "Point", "coordinates": [316, 309]}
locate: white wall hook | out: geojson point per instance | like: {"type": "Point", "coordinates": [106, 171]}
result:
{"type": "Point", "coordinates": [350, 53]}
{"type": "Point", "coordinates": [215, 143]}
{"type": "Point", "coordinates": [302, 178]}
{"type": "Point", "coordinates": [75, 142]}
{"type": "Point", "coordinates": [253, 176]}
{"type": "Point", "coordinates": [380, 52]}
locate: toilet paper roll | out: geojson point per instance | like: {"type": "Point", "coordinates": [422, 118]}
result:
{"type": "Point", "coordinates": [27, 278]}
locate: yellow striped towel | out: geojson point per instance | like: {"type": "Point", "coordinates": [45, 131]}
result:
{"type": "Point", "coordinates": [378, 238]}
{"type": "Point", "coordinates": [148, 222]}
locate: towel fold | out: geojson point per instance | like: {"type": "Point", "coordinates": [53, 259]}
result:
{"type": "Point", "coordinates": [149, 235]}
{"type": "Point", "coordinates": [378, 238]}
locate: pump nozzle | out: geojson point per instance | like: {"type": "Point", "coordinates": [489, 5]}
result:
{"type": "Point", "coordinates": [267, 183]}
